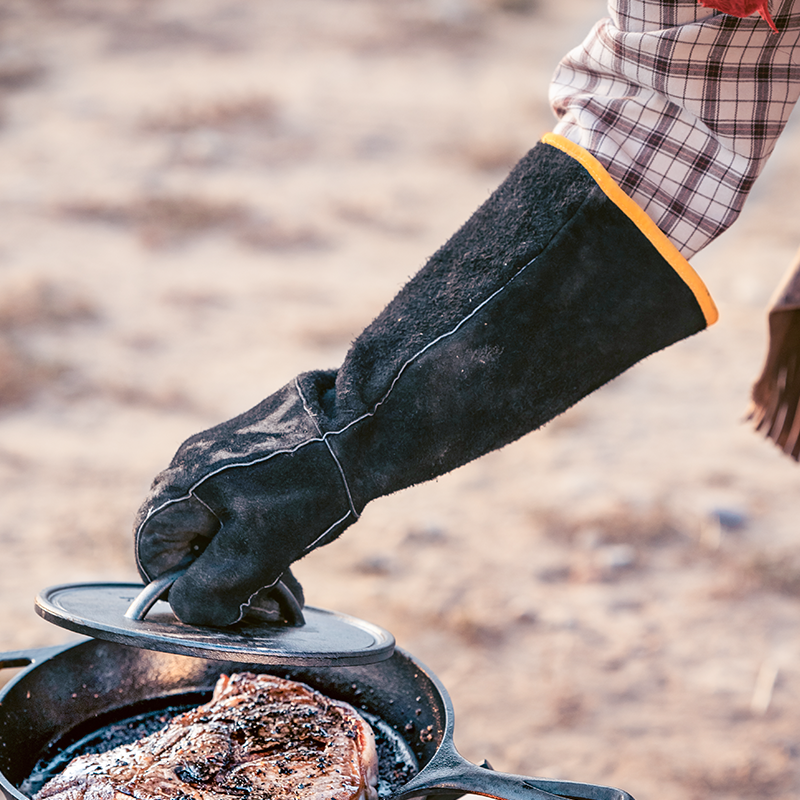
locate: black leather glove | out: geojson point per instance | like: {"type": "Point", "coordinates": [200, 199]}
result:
{"type": "Point", "coordinates": [556, 285]}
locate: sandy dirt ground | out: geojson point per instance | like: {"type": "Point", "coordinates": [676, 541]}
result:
{"type": "Point", "coordinates": [200, 200]}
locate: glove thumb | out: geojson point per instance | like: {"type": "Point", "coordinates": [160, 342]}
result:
{"type": "Point", "coordinates": [231, 574]}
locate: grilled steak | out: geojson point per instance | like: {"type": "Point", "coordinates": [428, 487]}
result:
{"type": "Point", "coordinates": [258, 738]}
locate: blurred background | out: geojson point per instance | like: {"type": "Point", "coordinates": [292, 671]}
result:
{"type": "Point", "coordinates": [200, 200]}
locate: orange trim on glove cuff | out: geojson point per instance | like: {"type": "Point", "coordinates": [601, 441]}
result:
{"type": "Point", "coordinates": [637, 215]}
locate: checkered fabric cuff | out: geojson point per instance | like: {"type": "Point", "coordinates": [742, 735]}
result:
{"type": "Point", "coordinates": [682, 105]}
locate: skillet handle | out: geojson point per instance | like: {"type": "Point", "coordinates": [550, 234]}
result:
{"type": "Point", "coordinates": [449, 773]}
{"type": "Point", "coordinates": [28, 658]}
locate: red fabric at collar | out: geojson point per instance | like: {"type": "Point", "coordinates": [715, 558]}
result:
{"type": "Point", "coordinates": [741, 8]}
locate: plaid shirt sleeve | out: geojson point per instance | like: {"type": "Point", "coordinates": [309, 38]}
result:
{"type": "Point", "coordinates": [683, 105]}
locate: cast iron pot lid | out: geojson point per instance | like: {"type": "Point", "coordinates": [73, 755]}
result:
{"type": "Point", "coordinates": [132, 614]}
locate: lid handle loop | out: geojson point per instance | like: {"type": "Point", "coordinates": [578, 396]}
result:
{"type": "Point", "coordinates": [289, 607]}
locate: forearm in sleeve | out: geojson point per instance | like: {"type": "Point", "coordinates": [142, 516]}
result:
{"type": "Point", "coordinates": [682, 105]}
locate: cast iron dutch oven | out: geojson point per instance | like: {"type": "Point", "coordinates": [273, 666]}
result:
{"type": "Point", "coordinates": [66, 694]}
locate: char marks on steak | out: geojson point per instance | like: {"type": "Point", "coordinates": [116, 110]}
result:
{"type": "Point", "coordinates": [258, 738]}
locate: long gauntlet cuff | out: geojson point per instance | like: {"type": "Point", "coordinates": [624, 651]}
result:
{"type": "Point", "coordinates": [556, 285]}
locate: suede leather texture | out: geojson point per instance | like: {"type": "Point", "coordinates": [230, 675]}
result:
{"type": "Point", "coordinates": [545, 294]}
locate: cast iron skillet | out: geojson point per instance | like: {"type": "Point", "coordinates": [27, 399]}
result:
{"type": "Point", "coordinates": [65, 690]}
